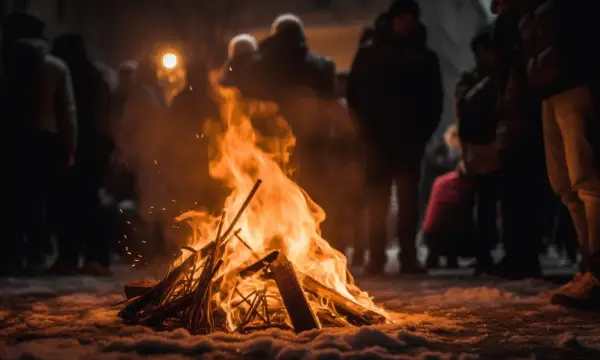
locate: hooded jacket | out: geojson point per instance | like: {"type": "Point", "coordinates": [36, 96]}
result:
{"type": "Point", "coordinates": [288, 64]}
{"type": "Point", "coordinates": [395, 90]}
{"type": "Point", "coordinates": [36, 91]}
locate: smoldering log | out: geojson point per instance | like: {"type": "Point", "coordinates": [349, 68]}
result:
{"type": "Point", "coordinates": [355, 313]}
{"type": "Point", "coordinates": [301, 314]}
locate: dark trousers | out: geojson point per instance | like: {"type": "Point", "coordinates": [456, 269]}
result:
{"type": "Point", "coordinates": [30, 168]}
{"type": "Point", "coordinates": [564, 233]}
{"type": "Point", "coordinates": [380, 176]}
{"type": "Point", "coordinates": [523, 198]}
{"type": "Point", "coordinates": [83, 225]}
{"type": "Point", "coordinates": [486, 213]}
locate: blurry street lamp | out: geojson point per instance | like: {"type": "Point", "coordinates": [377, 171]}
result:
{"type": "Point", "coordinates": [170, 60]}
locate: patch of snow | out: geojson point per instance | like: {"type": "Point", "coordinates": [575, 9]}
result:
{"type": "Point", "coordinates": [435, 318]}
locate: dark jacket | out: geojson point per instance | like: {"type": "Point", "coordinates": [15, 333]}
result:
{"type": "Point", "coordinates": [36, 93]}
{"type": "Point", "coordinates": [288, 64]}
{"type": "Point", "coordinates": [395, 90]}
{"type": "Point", "coordinates": [475, 102]}
{"type": "Point", "coordinates": [93, 99]}
{"type": "Point", "coordinates": [517, 108]}
{"type": "Point", "coordinates": [559, 47]}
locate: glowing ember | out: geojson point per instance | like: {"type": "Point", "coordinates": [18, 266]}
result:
{"type": "Point", "coordinates": [263, 263]}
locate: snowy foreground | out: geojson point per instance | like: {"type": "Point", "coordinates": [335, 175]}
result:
{"type": "Point", "coordinates": [441, 317]}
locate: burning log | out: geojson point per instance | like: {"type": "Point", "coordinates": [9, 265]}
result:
{"type": "Point", "coordinates": [259, 265]}
{"type": "Point", "coordinates": [355, 313]}
{"type": "Point", "coordinates": [301, 314]}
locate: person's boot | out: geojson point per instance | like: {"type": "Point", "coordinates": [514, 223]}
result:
{"type": "Point", "coordinates": [583, 294]}
{"type": "Point", "coordinates": [565, 288]}
{"type": "Point", "coordinates": [485, 266]}
{"type": "Point", "coordinates": [519, 267]}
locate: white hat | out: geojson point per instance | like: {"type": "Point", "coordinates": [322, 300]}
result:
{"type": "Point", "coordinates": [242, 44]}
{"type": "Point", "coordinates": [287, 22]}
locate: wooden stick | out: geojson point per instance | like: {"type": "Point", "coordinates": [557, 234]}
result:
{"type": "Point", "coordinates": [129, 312]}
{"type": "Point", "coordinates": [244, 206]}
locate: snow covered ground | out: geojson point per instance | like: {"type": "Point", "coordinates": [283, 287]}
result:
{"type": "Point", "coordinates": [449, 315]}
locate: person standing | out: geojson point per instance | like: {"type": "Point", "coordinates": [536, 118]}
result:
{"type": "Point", "coordinates": [523, 176]}
{"type": "Point", "coordinates": [82, 185]}
{"type": "Point", "coordinates": [563, 70]}
{"type": "Point", "coordinates": [476, 95]}
{"type": "Point", "coordinates": [303, 85]}
{"type": "Point", "coordinates": [38, 141]}
{"type": "Point", "coordinates": [395, 90]}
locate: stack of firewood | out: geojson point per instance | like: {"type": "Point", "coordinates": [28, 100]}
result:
{"type": "Point", "coordinates": [184, 298]}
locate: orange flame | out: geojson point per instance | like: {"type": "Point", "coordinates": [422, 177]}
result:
{"type": "Point", "coordinates": [280, 217]}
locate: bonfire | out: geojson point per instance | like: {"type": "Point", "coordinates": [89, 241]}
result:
{"type": "Point", "coordinates": [262, 263]}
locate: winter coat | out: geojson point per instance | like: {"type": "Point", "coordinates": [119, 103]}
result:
{"type": "Point", "coordinates": [289, 65]}
{"type": "Point", "coordinates": [475, 98]}
{"type": "Point", "coordinates": [555, 37]}
{"type": "Point", "coordinates": [94, 98]}
{"type": "Point", "coordinates": [36, 93]}
{"type": "Point", "coordinates": [395, 90]}
{"type": "Point", "coordinates": [450, 207]}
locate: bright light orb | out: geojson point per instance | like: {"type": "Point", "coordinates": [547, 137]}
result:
{"type": "Point", "coordinates": [169, 60]}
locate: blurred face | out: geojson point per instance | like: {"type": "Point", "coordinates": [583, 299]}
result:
{"type": "Point", "coordinates": [404, 24]}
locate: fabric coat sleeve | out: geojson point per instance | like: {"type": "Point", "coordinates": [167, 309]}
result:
{"type": "Point", "coordinates": [65, 111]}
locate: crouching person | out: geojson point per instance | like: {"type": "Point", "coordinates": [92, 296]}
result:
{"type": "Point", "coordinates": [448, 228]}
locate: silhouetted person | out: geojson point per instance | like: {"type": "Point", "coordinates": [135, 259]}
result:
{"type": "Point", "coordinates": [83, 211]}
{"type": "Point", "coordinates": [191, 114]}
{"type": "Point", "coordinates": [395, 90]}
{"type": "Point", "coordinates": [303, 85]}
{"type": "Point", "coordinates": [241, 70]}
{"type": "Point", "coordinates": [475, 97]}
{"type": "Point", "coordinates": [519, 135]}
{"type": "Point", "coordinates": [290, 65]}
{"type": "Point", "coordinates": [563, 70]}
{"type": "Point", "coordinates": [38, 138]}
{"type": "Point", "coordinates": [368, 34]}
